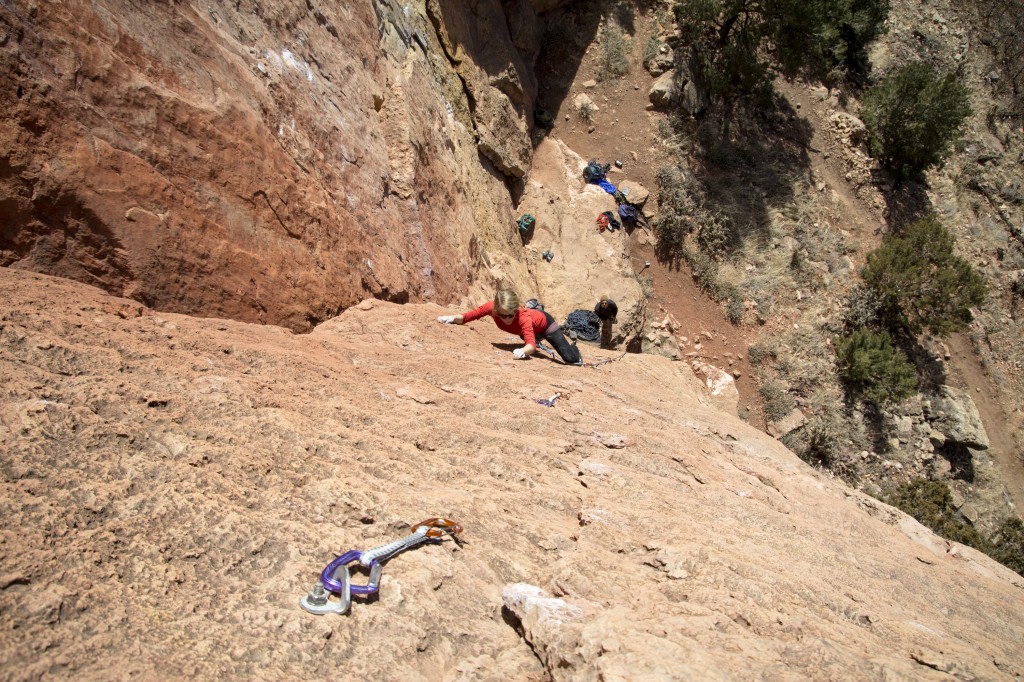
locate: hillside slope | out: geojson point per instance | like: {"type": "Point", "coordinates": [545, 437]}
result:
{"type": "Point", "coordinates": [801, 188]}
{"type": "Point", "coordinates": [172, 486]}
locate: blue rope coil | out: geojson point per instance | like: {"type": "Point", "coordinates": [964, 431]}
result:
{"type": "Point", "coordinates": [585, 323]}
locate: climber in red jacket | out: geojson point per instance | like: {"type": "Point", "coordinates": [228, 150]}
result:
{"type": "Point", "coordinates": [528, 323]}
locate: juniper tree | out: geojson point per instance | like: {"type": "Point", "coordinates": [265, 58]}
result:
{"type": "Point", "coordinates": [739, 45]}
{"type": "Point", "coordinates": [920, 283]}
{"type": "Point", "coordinates": [913, 118]}
{"type": "Point", "coordinates": [874, 368]}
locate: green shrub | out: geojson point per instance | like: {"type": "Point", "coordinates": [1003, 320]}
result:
{"type": "Point", "coordinates": [763, 304]}
{"type": "Point", "coordinates": [646, 285]}
{"type": "Point", "coordinates": [777, 401]}
{"type": "Point", "coordinates": [675, 206]}
{"type": "Point", "coordinates": [716, 236]}
{"type": "Point", "coordinates": [651, 48]}
{"type": "Point", "coordinates": [831, 434]}
{"type": "Point", "coordinates": [875, 369]}
{"type": "Point", "coordinates": [931, 503]}
{"type": "Point", "coordinates": [853, 26]}
{"type": "Point", "coordinates": [1008, 544]}
{"type": "Point", "coordinates": [913, 118]}
{"type": "Point", "coordinates": [862, 308]}
{"type": "Point", "coordinates": [586, 110]}
{"type": "Point", "coordinates": [739, 46]}
{"type": "Point", "coordinates": [796, 260]}
{"type": "Point", "coordinates": [920, 283]}
{"type": "Point", "coordinates": [821, 447]}
{"type": "Point", "coordinates": [615, 56]}
{"type": "Point", "coordinates": [759, 353]}
{"type": "Point", "coordinates": [736, 308]}
{"type": "Point", "coordinates": [705, 274]}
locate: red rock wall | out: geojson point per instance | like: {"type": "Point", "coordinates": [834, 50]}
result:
{"type": "Point", "coordinates": [261, 161]}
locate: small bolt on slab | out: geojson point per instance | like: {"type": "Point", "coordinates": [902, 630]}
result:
{"type": "Point", "coordinates": [332, 593]}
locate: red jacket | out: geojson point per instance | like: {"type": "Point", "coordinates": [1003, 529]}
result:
{"type": "Point", "coordinates": [528, 323]}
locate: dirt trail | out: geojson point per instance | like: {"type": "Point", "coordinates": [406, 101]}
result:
{"type": "Point", "coordinates": [860, 222]}
{"type": "Point", "coordinates": [968, 373]}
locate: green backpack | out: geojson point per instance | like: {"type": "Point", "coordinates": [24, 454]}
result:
{"type": "Point", "coordinates": [594, 172]}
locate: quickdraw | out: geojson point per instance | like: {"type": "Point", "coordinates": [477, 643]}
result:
{"type": "Point", "coordinates": [550, 353]}
{"type": "Point", "coordinates": [606, 360]}
{"type": "Point", "coordinates": [333, 592]}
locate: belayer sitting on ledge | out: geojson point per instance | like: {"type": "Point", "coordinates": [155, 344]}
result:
{"type": "Point", "coordinates": [527, 323]}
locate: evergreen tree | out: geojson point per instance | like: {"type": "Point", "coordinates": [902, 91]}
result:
{"type": "Point", "coordinates": [920, 283]}
{"type": "Point", "coordinates": [913, 118]}
{"type": "Point", "coordinates": [738, 45]}
{"type": "Point", "coordinates": [1008, 544]}
{"type": "Point", "coordinates": [876, 369]}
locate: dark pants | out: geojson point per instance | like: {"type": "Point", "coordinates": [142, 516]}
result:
{"type": "Point", "coordinates": [606, 333]}
{"type": "Point", "coordinates": [569, 353]}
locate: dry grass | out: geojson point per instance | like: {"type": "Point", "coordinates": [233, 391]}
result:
{"type": "Point", "coordinates": [615, 53]}
{"type": "Point", "coordinates": [586, 110]}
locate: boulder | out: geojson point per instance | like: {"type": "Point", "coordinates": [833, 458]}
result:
{"type": "Point", "coordinates": [721, 386]}
{"type": "Point", "coordinates": [664, 92]}
{"type": "Point", "coordinates": [694, 93]}
{"type": "Point", "coordinates": [954, 415]}
{"type": "Point", "coordinates": [791, 422]}
{"type": "Point", "coordinates": [986, 147]}
{"type": "Point", "coordinates": [662, 60]}
{"type": "Point", "coordinates": [848, 128]}
{"type": "Point", "coordinates": [695, 99]}
{"type": "Point", "coordinates": [635, 193]}
{"type": "Point", "coordinates": [582, 102]}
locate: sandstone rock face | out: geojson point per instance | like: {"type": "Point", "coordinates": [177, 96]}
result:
{"type": "Point", "coordinates": [263, 161]}
{"type": "Point", "coordinates": [172, 486]}
{"type": "Point", "coordinates": [587, 263]}
{"type": "Point", "coordinates": [501, 89]}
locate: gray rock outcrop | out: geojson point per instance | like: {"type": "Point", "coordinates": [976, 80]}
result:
{"type": "Point", "coordinates": [664, 92]}
{"type": "Point", "coordinates": [954, 415]}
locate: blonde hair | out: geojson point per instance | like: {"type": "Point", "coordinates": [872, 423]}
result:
{"type": "Point", "coordinates": [604, 297]}
{"type": "Point", "coordinates": [506, 300]}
